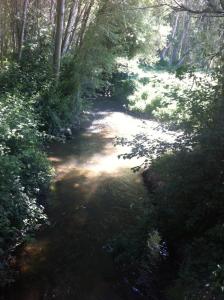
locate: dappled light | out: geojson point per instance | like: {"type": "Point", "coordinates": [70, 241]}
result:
{"type": "Point", "coordinates": [111, 149]}
{"type": "Point", "coordinates": [102, 157]}
{"type": "Point", "coordinates": [96, 195]}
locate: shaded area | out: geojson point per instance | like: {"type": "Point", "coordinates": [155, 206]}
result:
{"type": "Point", "coordinates": [94, 198]}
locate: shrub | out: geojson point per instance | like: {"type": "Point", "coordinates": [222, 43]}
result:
{"type": "Point", "coordinates": [186, 193]}
{"type": "Point", "coordinates": [24, 171]}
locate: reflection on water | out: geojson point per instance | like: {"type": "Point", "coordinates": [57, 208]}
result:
{"type": "Point", "coordinates": [95, 197]}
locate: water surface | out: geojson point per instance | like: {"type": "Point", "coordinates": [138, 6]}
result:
{"type": "Point", "coordinates": [94, 198]}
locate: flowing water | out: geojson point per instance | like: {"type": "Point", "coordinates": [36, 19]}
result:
{"type": "Point", "coordinates": [94, 198]}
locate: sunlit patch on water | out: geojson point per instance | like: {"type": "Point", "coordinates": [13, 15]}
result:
{"type": "Point", "coordinates": [103, 158]}
{"type": "Point", "coordinates": [54, 159]}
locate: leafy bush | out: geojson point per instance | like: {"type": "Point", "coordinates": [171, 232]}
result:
{"type": "Point", "coordinates": [138, 254]}
{"type": "Point", "coordinates": [182, 99]}
{"type": "Point", "coordinates": [144, 80]}
{"type": "Point", "coordinates": [32, 75]}
{"type": "Point", "coordinates": [186, 194]}
{"type": "Point", "coordinates": [24, 170]}
{"type": "Point", "coordinates": [189, 210]}
{"type": "Point", "coordinates": [122, 86]}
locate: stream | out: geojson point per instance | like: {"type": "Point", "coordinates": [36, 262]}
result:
{"type": "Point", "coordinates": [95, 197]}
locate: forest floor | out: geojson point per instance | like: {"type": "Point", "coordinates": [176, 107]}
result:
{"type": "Point", "coordinates": [94, 197]}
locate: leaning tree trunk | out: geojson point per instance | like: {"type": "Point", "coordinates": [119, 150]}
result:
{"type": "Point", "coordinates": [58, 37]}
{"type": "Point", "coordinates": [84, 24]}
{"type": "Point", "coordinates": [22, 32]}
{"type": "Point", "coordinates": [183, 52]}
{"type": "Point", "coordinates": [70, 25]}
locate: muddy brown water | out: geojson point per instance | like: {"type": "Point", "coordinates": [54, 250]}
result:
{"type": "Point", "coordinates": [94, 198]}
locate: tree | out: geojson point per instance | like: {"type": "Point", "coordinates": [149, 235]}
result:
{"type": "Point", "coordinates": [71, 25]}
{"type": "Point", "coordinates": [59, 37]}
{"type": "Point", "coordinates": [23, 26]}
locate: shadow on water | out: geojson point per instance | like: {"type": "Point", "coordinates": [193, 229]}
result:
{"type": "Point", "coordinates": [91, 201]}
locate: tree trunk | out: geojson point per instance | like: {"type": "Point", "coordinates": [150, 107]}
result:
{"type": "Point", "coordinates": [74, 35]}
{"type": "Point", "coordinates": [84, 24]}
{"type": "Point", "coordinates": [174, 30]}
{"type": "Point", "coordinates": [58, 37]}
{"type": "Point", "coordinates": [70, 26]}
{"type": "Point", "coordinates": [22, 32]}
{"type": "Point", "coordinates": [183, 41]}
{"type": "Point", "coordinates": [15, 24]}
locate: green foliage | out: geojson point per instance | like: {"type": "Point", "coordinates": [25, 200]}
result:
{"type": "Point", "coordinates": [185, 100]}
{"type": "Point", "coordinates": [122, 86]}
{"type": "Point", "coordinates": [33, 78]}
{"type": "Point", "coordinates": [186, 190]}
{"type": "Point", "coordinates": [189, 214]}
{"type": "Point", "coordinates": [24, 171]}
{"type": "Point", "coordinates": [144, 80]}
{"type": "Point", "coordinates": [155, 104]}
{"type": "Point", "coordinates": [185, 211]}
{"type": "Point", "coordinates": [139, 254]}
{"type": "Point", "coordinates": [32, 74]}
